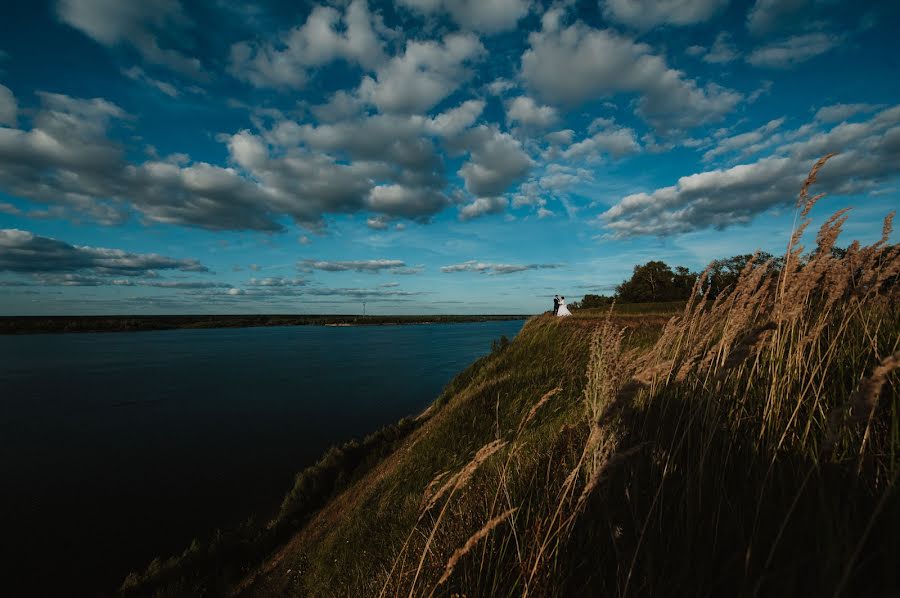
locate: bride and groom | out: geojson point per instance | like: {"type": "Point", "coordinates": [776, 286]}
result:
{"type": "Point", "coordinates": [559, 306]}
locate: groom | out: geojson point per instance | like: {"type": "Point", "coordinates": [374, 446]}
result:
{"type": "Point", "coordinates": [555, 304]}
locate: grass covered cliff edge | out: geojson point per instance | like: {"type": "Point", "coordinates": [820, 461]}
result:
{"type": "Point", "coordinates": [743, 446]}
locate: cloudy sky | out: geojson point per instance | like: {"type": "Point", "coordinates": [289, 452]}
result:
{"type": "Point", "coordinates": [422, 156]}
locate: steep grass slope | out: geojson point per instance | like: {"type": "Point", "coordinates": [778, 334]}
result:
{"type": "Point", "coordinates": [747, 447]}
{"type": "Point", "coordinates": [508, 428]}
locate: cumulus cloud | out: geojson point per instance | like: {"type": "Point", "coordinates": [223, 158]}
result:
{"type": "Point", "coordinates": [482, 206]}
{"type": "Point", "coordinates": [456, 120]}
{"type": "Point", "coordinates": [525, 111]}
{"type": "Point", "coordinates": [134, 23]}
{"type": "Point", "coordinates": [563, 137]}
{"type": "Point", "coordinates": [371, 266]}
{"type": "Point", "coordinates": [67, 159]}
{"type": "Point", "coordinates": [645, 14]}
{"type": "Point", "coordinates": [766, 15]}
{"type": "Point", "coordinates": [496, 161]}
{"type": "Point", "coordinates": [558, 177]}
{"type": "Point", "coordinates": [9, 109]}
{"type": "Point", "coordinates": [327, 35]}
{"type": "Point", "coordinates": [24, 252]}
{"type": "Point", "coordinates": [744, 140]}
{"type": "Point", "coordinates": [494, 269]}
{"type": "Point", "coordinates": [395, 169]}
{"type": "Point", "coordinates": [790, 52]}
{"type": "Point", "coordinates": [569, 65]}
{"type": "Point", "coordinates": [839, 112]}
{"type": "Point", "coordinates": [383, 138]}
{"type": "Point", "coordinates": [423, 75]}
{"type": "Point", "coordinates": [488, 16]}
{"type": "Point", "coordinates": [869, 155]}
{"type": "Point", "coordinates": [612, 140]}
{"type": "Point", "coordinates": [400, 200]}
{"type": "Point", "coordinates": [381, 163]}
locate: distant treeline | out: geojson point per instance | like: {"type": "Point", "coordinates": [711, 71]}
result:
{"type": "Point", "coordinates": [39, 324]}
{"type": "Point", "coordinates": [656, 281]}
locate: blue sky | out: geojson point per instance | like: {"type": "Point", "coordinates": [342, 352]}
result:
{"type": "Point", "coordinates": [423, 156]}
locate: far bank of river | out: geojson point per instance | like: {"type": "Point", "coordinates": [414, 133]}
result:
{"type": "Point", "coordinates": [128, 323]}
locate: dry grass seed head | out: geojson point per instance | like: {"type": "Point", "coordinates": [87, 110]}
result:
{"type": "Point", "coordinates": [459, 479]}
{"type": "Point", "coordinates": [865, 398]}
{"type": "Point", "coordinates": [804, 199]}
{"type": "Point", "coordinates": [471, 542]}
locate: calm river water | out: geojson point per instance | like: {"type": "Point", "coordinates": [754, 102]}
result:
{"type": "Point", "coordinates": [118, 447]}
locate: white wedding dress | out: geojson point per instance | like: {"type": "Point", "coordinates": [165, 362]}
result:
{"type": "Point", "coordinates": [563, 310]}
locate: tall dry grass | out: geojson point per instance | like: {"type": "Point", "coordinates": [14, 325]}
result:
{"type": "Point", "coordinates": [751, 450]}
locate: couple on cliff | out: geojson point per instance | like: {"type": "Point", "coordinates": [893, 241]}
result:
{"type": "Point", "coordinates": [559, 306]}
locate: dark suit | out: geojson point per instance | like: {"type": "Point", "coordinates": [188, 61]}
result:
{"type": "Point", "coordinates": [555, 305]}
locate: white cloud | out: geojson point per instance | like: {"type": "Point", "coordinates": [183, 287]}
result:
{"type": "Point", "coordinates": [496, 161]}
{"type": "Point", "coordinates": [327, 35]}
{"type": "Point", "coordinates": [378, 138]}
{"type": "Point", "coordinates": [67, 160]}
{"type": "Point", "coordinates": [340, 106]}
{"type": "Point", "coordinates": [563, 137]}
{"type": "Point", "coordinates": [613, 140]}
{"type": "Point", "coordinates": [527, 112]}
{"type": "Point", "coordinates": [9, 110]}
{"type": "Point", "coordinates": [869, 156]}
{"type": "Point", "coordinates": [111, 22]}
{"type": "Point", "coordinates": [378, 223]}
{"type": "Point", "coordinates": [370, 266]}
{"type": "Point", "coordinates": [744, 140]}
{"type": "Point", "coordinates": [400, 200]}
{"type": "Point", "coordinates": [456, 120]}
{"type": "Point", "coordinates": [794, 50]}
{"type": "Point", "coordinates": [277, 282]}
{"type": "Point", "coordinates": [645, 14]}
{"type": "Point", "coordinates": [499, 86]}
{"type": "Point", "coordinates": [766, 15]}
{"type": "Point", "coordinates": [494, 268]}
{"type": "Point", "coordinates": [426, 73]}
{"type": "Point", "coordinates": [487, 16]}
{"type": "Point", "coordinates": [24, 252]}
{"type": "Point", "coordinates": [482, 206]}
{"type": "Point", "coordinates": [839, 112]}
{"type": "Point", "coordinates": [573, 64]}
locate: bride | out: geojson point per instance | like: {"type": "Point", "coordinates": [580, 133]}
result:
{"type": "Point", "coordinates": [563, 310]}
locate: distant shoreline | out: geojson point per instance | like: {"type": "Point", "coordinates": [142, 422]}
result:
{"type": "Point", "coordinates": [10, 325]}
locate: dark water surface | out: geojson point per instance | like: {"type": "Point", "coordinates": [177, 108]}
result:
{"type": "Point", "coordinates": [118, 447]}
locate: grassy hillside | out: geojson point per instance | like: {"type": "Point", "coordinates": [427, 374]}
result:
{"type": "Point", "coordinates": [744, 446]}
